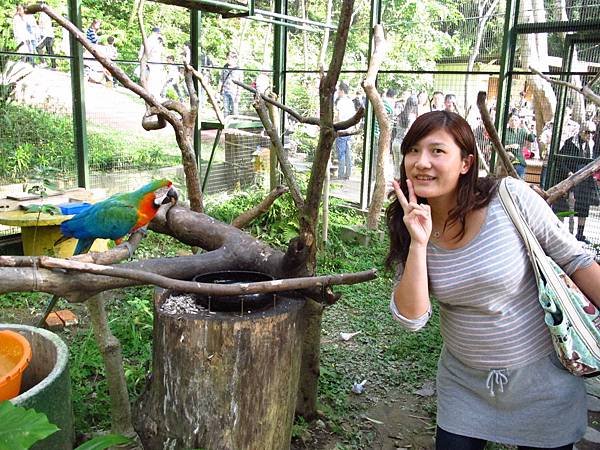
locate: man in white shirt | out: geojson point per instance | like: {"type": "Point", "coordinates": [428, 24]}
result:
{"type": "Point", "coordinates": [46, 38]}
{"type": "Point", "coordinates": [344, 110]}
{"type": "Point", "coordinates": [24, 33]}
{"type": "Point", "coordinates": [154, 51]}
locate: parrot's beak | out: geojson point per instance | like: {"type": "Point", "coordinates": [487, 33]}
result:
{"type": "Point", "coordinates": [171, 196]}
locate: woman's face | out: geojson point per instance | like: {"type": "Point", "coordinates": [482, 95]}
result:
{"type": "Point", "coordinates": [434, 165]}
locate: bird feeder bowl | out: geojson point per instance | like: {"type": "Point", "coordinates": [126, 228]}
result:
{"type": "Point", "coordinates": [243, 302]}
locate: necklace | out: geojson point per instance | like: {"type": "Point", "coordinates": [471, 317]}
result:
{"type": "Point", "coordinates": [436, 234]}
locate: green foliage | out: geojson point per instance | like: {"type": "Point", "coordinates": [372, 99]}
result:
{"type": "Point", "coordinates": [21, 427]}
{"type": "Point", "coordinates": [307, 143]}
{"type": "Point", "coordinates": [39, 145]}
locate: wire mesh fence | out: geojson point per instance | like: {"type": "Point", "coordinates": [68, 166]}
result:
{"type": "Point", "coordinates": [438, 59]}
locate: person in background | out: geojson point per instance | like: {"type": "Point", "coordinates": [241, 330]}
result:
{"type": "Point", "coordinates": [229, 90]}
{"type": "Point", "coordinates": [155, 45]}
{"type": "Point", "coordinates": [577, 152]}
{"type": "Point", "coordinates": [358, 100]}
{"type": "Point", "coordinates": [498, 377]}
{"type": "Point", "coordinates": [422, 103]}
{"type": "Point", "coordinates": [24, 33]}
{"type": "Point", "coordinates": [46, 38]}
{"type": "Point", "coordinates": [92, 32]}
{"type": "Point", "coordinates": [437, 101]}
{"type": "Point", "coordinates": [344, 110]}
{"type": "Point", "coordinates": [570, 129]}
{"type": "Point", "coordinates": [173, 78]}
{"type": "Point", "coordinates": [514, 140]}
{"type": "Point", "coordinates": [450, 103]}
{"type": "Point", "coordinates": [404, 121]}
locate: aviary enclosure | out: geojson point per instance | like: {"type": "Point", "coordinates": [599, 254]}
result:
{"type": "Point", "coordinates": [246, 375]}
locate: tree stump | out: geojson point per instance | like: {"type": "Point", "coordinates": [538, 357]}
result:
{"type": "Point", "coordinates": [221, 380]}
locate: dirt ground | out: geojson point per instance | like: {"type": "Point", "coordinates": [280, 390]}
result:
{"type": "Point", "coordinates": [400, 423]}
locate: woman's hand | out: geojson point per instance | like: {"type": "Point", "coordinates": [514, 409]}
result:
{"type": "Point", "coordinates": [417, 217]}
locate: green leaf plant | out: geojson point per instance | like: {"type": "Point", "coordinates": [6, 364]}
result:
{"type": "Point", "coordinates": [20, 428]}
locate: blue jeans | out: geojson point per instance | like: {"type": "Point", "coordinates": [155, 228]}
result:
{"type": "Point", "coordinates": [228, 103]}
{"type": "Point", "coordinates": [344, 154]}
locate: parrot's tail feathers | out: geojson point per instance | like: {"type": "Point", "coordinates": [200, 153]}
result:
{"type": "Point", "coordinates": [83, 245]}
{"type": "Point", "coordinates": [62, 239]}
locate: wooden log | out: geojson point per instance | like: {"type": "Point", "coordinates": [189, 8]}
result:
{"type": "Point", "coordinates": [222, 380]}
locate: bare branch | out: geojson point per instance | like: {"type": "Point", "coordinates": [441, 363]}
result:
{"type": "Point", "coordinates": [560, 189]}
{"type": "Point", "coordinates": [302, 119]}
{"type": "Point", "coordinates": [212, 98]}
{"type": "Point", "coordinates": [296, 115]}
{"type": "Point", "coordinates": [195, 287]}
{"type": "Point", "coordinates": [144, 58]}
{"type": "Point", "coordinates": [327, 130]}
{"type": "Point", "coordinates": [286, 167]}
{"type": "Point", "coordinates": [380, 48]}
{"type": "Point", "coordinates": [493, 134]}
{"type": "Point", "coordinates": [114, 255]}
{"type": "Point", "coordinates": [246, 217]}
{"type": "Point", "coordinates": [586, 90]}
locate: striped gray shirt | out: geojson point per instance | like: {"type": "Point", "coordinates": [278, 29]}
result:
{"type": "Point", "coordinates": [490, 316]}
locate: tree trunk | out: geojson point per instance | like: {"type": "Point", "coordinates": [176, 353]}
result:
{"type": "Point", "coordinates": [221, 380]}
{"type": "Point", "coordinates": [312, 314]}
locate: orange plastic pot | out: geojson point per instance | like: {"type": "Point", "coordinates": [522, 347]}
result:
{"type": "Point", "coordinates": [15, 354]}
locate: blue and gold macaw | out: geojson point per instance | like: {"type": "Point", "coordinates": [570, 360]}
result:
{"type": "Point", "coordinates": [114, 218]}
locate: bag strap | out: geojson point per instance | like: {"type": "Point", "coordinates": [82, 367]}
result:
{"type": "Point", "coordinates": [545, 274]}
{"type": "Point", "coordinates": [531, 243]}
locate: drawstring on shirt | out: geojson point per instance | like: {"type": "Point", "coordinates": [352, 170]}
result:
{"type": "Point", "coordinates": [498, 377]}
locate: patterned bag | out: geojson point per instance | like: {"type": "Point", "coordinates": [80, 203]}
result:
{"type": "Point", "coordinates": [573, 321]}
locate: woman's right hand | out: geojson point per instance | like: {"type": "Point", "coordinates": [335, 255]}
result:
{"type": "Point", "coordinates": [417, 217]}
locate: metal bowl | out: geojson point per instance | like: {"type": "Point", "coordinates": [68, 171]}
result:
{"type": "Point", "coordinates": [244, 302]}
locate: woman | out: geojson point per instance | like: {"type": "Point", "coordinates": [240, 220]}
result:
{"type": "Point", "coordinates": [422, 103]}
{"type": "Point", "coordinates": [498, 378]}
{"type": "Point", "coordinates": [403, 123]}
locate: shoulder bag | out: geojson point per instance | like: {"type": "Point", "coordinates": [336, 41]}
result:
{"type": "Point", "coordinates": [573, 321]}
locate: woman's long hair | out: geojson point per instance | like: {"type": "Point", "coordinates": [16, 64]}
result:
{"type": "Point", "coordinates": [473, 192]}
{"type": "Point", "coordinates": [410, 107]}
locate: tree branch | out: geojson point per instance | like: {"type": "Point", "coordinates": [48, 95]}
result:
{"type": "Point", "coordinates": [286, 167]}
{"type": "Point", "coordinates": [493, 134]}
{"type": "Point", "coordinates": [342, 125]}
{"type": "Point", "coordinates": [380, 48]}
{"type": "Point", "coordinates": [143, 277]}
{"type": "Point", "coordinates": [327, 87]}
{"type": "Point", "coordinates": [586, 90]}
{"type": "Point", "coordinates": [246, 217]}
{"type": "Point", "coordinates": [560, 189]}
{"type": "Point", "coordinates": [209, 93]}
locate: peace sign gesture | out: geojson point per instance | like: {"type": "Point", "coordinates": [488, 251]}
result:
{"type": "Point", "coordinates": [417, 217]}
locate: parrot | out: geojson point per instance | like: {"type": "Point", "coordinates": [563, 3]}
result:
{"type": "Point", "coordinates": [118, 215]}
{"type": "Point", "coordinates": [114, 218]}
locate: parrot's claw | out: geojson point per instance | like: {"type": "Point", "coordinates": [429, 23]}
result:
{"type": "Point", "coordinates": [129, 249]}
{"type": "Point", "coordinates": [144, 231]}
